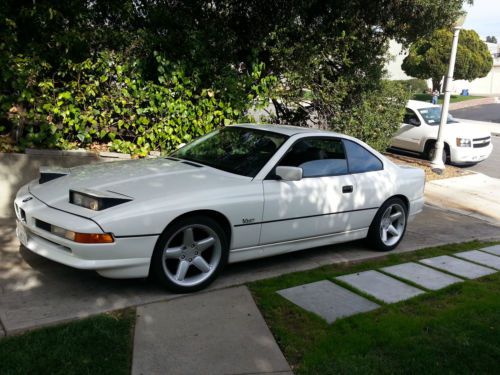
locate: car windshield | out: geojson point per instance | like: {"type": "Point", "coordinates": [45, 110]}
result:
{"type": "Point", "coordinates": [238, 150]}
{"type": "Point", "coordinates": [432, 116]}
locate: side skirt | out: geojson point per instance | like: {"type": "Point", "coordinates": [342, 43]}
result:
{"type": "Point", "coordinates": [261, 251]}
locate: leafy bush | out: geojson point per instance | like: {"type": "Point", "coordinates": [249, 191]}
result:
{"type": "Point", "coordinates": [415, 85]}
{"type": "Point", "coordinates": [106, 99]}
{"type": "Point", "coordinates": [377, 117]}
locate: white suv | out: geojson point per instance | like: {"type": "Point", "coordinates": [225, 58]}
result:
{"type": "Point", "coordinates": [464, 143]}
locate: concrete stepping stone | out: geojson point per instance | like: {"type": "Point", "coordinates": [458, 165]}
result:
{"type": "Point", "coordinates": [421, 275]}
{"type": "Point", "coordinates": [480, 257]}
{"type": "Point", "coordinates": [328, 300]}
{"type": "Point", "coordinates": [381, 286]}
{"type": "Point", "coordinates": [495, 250]}
{"type": "Point", "coordinates": [458, 267]}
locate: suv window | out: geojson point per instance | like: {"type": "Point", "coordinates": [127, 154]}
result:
{"type": "Point", "coordinates": [411, 117]}
{"type": "Point", "coordinates": [360, 159]}
{"type": "Point", "coordinates": [317, 157]}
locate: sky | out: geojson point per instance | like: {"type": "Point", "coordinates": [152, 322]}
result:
{"type": "Point", "coordinates": [484, 17]}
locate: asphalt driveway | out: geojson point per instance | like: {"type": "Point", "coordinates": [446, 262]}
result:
{"type": "Point", "coordinates": [35, 291]}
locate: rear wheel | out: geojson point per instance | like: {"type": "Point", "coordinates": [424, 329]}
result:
{"type": "Point", "coordinates": [389, 225]}
{"type": "Point", "coordinates": [190, 254]}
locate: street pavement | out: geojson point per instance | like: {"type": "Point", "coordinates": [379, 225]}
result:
{"type": "Point", "coordinates": [486, 112]}
{"type": "Point", "coordinates": [36, 292]}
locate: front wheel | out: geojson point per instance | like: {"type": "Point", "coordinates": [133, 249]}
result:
{"type": "Point", "coordinates": [431, 151]}
{"type": "Point", "coordinates": [190, 254]}
{"type": "Point", "coordinates": [389, 225]}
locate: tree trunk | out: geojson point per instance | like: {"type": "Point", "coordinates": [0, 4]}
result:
{"type": "Point", "coordinates": [436, 84]}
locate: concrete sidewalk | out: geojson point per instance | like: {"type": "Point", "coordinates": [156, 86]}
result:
{"type": "Point", "coordinates": [475, 195]}
{"type": "Point", "coordinates": [220, 332]}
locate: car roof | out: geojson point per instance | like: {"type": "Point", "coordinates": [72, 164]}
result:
{"type": "Point", "coordinates": [416, 104]}
{"type": "Point", "coordinates": [287, 129]}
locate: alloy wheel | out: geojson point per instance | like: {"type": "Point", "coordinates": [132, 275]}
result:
{"type": "Point", "coordinates": [392, 224]}
{"type": "Point", "coordinates": [191, 255]}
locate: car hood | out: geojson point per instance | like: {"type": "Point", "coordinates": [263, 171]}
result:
{"type": "Point", "coordinates": [465, 129]}
{"type": "Point", "coordinates": [138, 179]}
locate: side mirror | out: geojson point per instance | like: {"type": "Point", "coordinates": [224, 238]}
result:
{"type": "Point", "coordinates": [414, 121]}
{"type": "Point", "coordinates": [289, 173]}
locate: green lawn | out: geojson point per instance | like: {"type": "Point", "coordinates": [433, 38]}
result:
{"type": "Point", "coordinates": [454, 330]}
{"type": "Point", "coordinates": [97, 345]}
{"type": "Point", "coordinates": [453, 99]}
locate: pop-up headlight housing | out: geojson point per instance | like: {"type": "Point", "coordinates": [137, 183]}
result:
{"type": "Point", "coordinates": [95, 200]}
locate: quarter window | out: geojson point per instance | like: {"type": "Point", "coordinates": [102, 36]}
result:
{"type": "Point", "coordinates": [360, 159]}
{"type": "Point", "coordinates": [317, 157]}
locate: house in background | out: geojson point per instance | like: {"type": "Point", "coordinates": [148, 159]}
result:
{"type": "Point", "coordinates": [489, 85]}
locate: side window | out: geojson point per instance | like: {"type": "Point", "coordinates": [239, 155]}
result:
{"type": "Point", "coordinates": [317, 157]}
{"type": "Point", "coordinates": [411, 118]}
{"type": "Point", "coordinates": [360, 159]}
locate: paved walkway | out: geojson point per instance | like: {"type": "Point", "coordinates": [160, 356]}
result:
{"type": "Point", "coordinates": [215, 333]}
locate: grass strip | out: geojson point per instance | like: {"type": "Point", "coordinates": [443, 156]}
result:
{"type": "Point", "coordinates": [96, 345]}
{"type": "Point", "coordinates": [453, 330]}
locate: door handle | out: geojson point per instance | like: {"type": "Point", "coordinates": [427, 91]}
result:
{"type": "Point", "coordinates": [347, 189]}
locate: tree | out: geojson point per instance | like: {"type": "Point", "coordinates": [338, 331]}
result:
{"type": "Point", "coordinates": [429, 57]}
{"type": "Point", "coordinates": [332, 49]}
{"type": "Point", "coordinates": [491, 39]}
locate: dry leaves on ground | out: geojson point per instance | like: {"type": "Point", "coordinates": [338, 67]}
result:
{"type": "Point", "coordinates": [450, 171]}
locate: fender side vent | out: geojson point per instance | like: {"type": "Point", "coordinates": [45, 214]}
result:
{"type": "Point", "coordinates": [46, 177]}
{"type": "Point", "coordinates": [49, 173]}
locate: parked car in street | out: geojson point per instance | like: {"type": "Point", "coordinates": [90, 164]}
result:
{"type": "Point", "coordinates": [464, 142]}
{"type": "Point", "coordinates": [241, 192]}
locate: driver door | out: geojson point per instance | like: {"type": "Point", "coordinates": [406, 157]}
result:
{"type": "Point", "coordinates": [409, 134]}
{"type": "Point", "coordinates": [319, 203]}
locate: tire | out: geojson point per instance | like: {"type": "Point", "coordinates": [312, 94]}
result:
{"type": "Point", "coordinates": [393, 213]}
{"type": "Point", "coordinates": [190, 254]}
{"type": "Point", "coordinates": [430, 153]}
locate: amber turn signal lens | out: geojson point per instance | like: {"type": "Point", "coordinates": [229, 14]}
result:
{"type": "Point", "coordinates": [93, 238]}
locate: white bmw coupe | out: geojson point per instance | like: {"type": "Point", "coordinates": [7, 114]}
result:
{"type": "Point", "coordinates": [241, 192]}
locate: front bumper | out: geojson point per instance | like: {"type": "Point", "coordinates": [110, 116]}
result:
{"type": "Point", "coordinates": [468, 155]}
{"type": "Point", "coordinates": [126, 257]}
